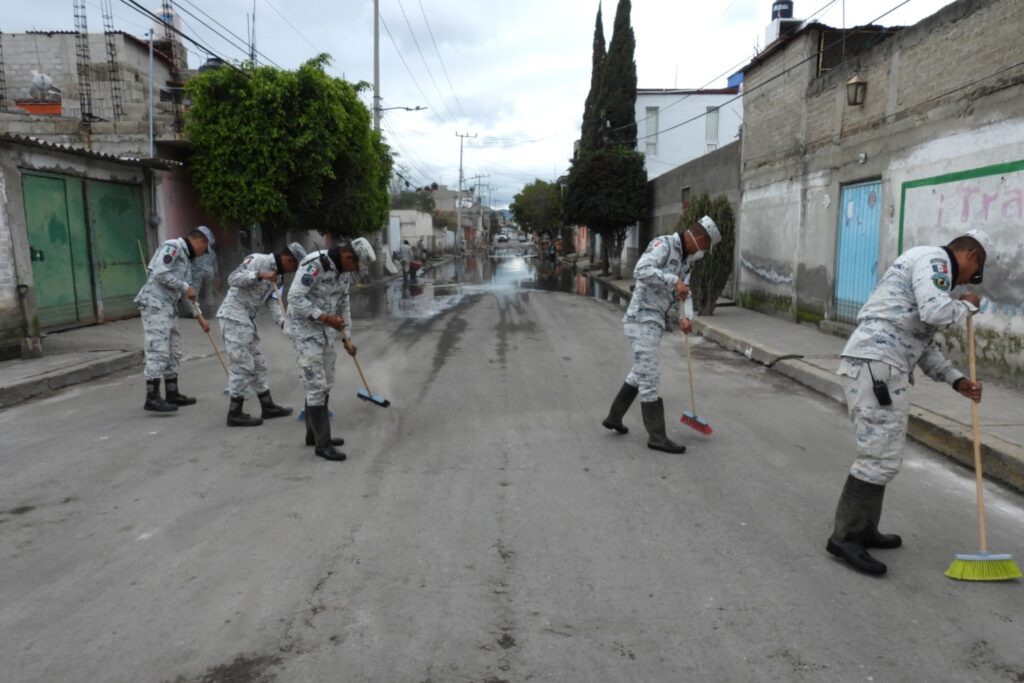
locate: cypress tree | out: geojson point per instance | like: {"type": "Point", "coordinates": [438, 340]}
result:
{"type": "Point", "coordinates": [590, 134]}
{"type": "Point", "coordinates": [618, 81]}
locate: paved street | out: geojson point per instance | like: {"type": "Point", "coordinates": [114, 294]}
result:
{"type": "Point", "coordinates": [485, 527]}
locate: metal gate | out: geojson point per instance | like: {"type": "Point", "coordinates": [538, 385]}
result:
{"type": "Point", "coordinates": [857, 252]}
{"type": "Point", "coordinates": [59, 249]}
{"type": "Point", "coordinates": [117, 227]}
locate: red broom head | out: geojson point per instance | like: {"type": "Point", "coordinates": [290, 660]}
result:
{"type": "Point", "coordinates": [694, 422]}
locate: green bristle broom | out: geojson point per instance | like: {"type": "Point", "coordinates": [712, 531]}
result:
{"type": "Point", "coordinates": [981, 566]}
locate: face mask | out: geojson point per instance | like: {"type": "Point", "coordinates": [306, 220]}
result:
{"type": "Point", "coordinates": [699, 254]}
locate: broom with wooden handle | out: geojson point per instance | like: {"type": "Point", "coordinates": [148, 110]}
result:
{"type": "Point", "coordinates": [690, 418]}
{"type": "Point", "coordinates": [983, 565]}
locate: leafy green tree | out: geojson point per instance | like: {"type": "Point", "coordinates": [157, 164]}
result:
{"type": "Point", "coordinates": [287, 149]}
{"type": "Point", "coordinates": [608, 193]}
{"type": "Point", "coordinates": [593, 123]}
{"type": "Point", "coordinates": [618, 81]}
{"type": "Point", "coordinates": [538, 207]}
{"type": "Point", "coordinates": [711, 274]}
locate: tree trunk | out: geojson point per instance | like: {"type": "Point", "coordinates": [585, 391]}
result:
{"type": "Point", "coordinates": [604, 256]}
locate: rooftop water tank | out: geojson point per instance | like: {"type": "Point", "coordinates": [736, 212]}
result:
{"type": "Point", "coordinates": [782, 9]}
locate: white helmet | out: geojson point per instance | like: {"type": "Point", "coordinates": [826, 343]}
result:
{"type": "Point", "coordinates": [364, 250]}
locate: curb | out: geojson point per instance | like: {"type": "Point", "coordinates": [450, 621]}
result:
{"type": "Point", "coordinates": [85, 371]}
{"type": "Point", "coordinates": [1002, 461]}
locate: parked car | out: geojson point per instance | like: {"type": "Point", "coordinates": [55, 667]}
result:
{"type": "Point", "coordinates": [503, 237]}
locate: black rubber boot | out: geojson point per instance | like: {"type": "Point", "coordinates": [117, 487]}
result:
{"type": "Point", "coordinates": [310, 439]}
{"type": "Point", "coordinates": [623, 400]}
{"type": "Point", "coordinates": [873, 538]}
{"type": "Point", "coordinates": [853, 520]}
{"type": "Point", "coordinates": [654, 421]}
{"type": "Point", "coordinates": [236, 418]}
{"type": "Point", "coordinates": [154, 401]}
{"type": "Point", "coordinates": [173, 396]}
{"type": "Point", "coordinates": [322, 433]}
{"type": "Point", "coordinates": [271, 409]}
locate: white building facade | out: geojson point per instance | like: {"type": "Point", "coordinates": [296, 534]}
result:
{"type": "Point", "coordinates": [677, 126]}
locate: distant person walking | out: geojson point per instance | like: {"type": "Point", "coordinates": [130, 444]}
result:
{"type": "Point", "coordinates": [405, 253]}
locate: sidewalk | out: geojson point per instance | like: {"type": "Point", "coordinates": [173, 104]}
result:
{"type": "Point", "coordinates": [84, 354]}
{"type": "Point", "coordinates": [939, 417]}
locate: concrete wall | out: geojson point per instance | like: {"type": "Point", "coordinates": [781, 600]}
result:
{"type": "Point", "coordinates": [685, 141]}
{"type": "Point", "coordinates": [15, 263]}
{"type": "Point", "coordinates": [54, 55]}
{"type": "Point", "coordinates": [942, 129]}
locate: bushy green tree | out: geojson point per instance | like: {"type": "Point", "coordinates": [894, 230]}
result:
{"type": "Point", "coordinates": [287, 149]}
{"type": "Point", "coordinates": [711, 273]}
{"type": "Point", "coordinates": [538, 207]}
{"type": "Point", "coordinates": [414, 199]}
{"type": "Point", "coordinates": [593, 124]}
{"type": "Point", "coordinates": [618, 81]}
{"type": "Point", "coordinates": [608, 193]}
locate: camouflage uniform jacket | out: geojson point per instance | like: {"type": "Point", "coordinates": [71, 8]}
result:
{"type": "Point", "coordinates": [318, 288]}
{"type": "Point", "coordinates": [660, 267]}
{"type": "Point", "coordinates": [909, 305]}
{"type": "Point", "coordinates": [248, 292]}
{"type": "Point", "coordinates": [170, 275]}
{"type": "Point", "coordinates": [207, 262]}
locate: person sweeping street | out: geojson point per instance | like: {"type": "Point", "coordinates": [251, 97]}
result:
{"type": "Point", "coordinates": [660, 276]}
{"type": "Point", "coordinates": [318, 308]}
{"type": "Point", "coordinates": [253, 284]}
{"type": "Point", "coordinates": [169, 278]}
{"type": "Point", "coordinates": [895, 333]}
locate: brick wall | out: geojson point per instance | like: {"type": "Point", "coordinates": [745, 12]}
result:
{"type": "Point", "coordinates": [935, 105]}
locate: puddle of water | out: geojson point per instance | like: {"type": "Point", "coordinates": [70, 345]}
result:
{"type": "Point", "coordinates": [445, 286]}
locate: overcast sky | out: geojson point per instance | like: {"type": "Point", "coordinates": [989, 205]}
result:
{"type": "Point", "coordinates": [519, 71]}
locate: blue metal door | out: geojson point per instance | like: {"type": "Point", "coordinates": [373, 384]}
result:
{"type": "Point", "coordinates": [857, 254]}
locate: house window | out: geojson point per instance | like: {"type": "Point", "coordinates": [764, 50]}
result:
{"type": "Point", "coordinates": [711, 129]}
{"type": "Point", "coordinates": [685, 198]}
{"type": "Point", "coordinates": [651, 136]}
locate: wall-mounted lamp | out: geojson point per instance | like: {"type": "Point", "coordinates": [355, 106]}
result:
{"type": "Point", "coordinates": [856, 90]}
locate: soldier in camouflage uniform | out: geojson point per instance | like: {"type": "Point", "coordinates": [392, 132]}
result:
{"type": "Point", "coordinates": [661, 277]}
{"type": "Point", "coordinates": [895, 332]}
{"type": "Point", "coordinates": [252, 285]}
{"type": "Point", "coordinates": [318, 308]}
{"type": "Point", "coordinates": [169, 278]}
{"type": "Point", "coordinates": [204, 269]}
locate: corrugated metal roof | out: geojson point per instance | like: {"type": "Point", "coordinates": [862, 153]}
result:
{"type": "Point", "coordinates": [164, 164]}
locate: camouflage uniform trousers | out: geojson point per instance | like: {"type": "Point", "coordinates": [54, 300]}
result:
{"type": "Point", "coordinates": [163, 344]}
{"type": "Point", "coordinates": [247, 367]}
{"type": "Point", "coordinates": [202, 282]}
{"type": "Point", "coordinates": [316, 357]}
{"type": "Point", "coordinates": [881, 430]}
{"type": "Point", "coordinates": [645, 338]}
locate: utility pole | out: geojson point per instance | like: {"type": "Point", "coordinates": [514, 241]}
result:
{"type": "Point", "coordinates": [376, 65]}
{"type": "Point", "coordinates": [152, 144]}
{"type": "Point", "coordinates": [476, 186]}
{"type": "Point", "coordinates": [458, 201]}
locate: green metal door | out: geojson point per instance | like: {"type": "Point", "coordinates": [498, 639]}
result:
{"type": "Point", "coordinates": [117, 225]}
{"type": "Point", "coordinates": [59, 248]}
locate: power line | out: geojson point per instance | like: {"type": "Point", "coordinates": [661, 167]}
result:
{"type": "Point", "coordinates": [315, 48]}
{"type": "Point", "coordinates": [244, 45]}
{"type": "Point", "coordinates": [782, 73]}
{"type": "Point", "coordinates": [439, 58]}
{"type": "Point", "coordinates": [406, 64]}
{"type": "Point", "coordinates": [424, 59]}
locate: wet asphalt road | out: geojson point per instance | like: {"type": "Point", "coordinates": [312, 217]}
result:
{"type": "Point", "coordinates": [485, 527]}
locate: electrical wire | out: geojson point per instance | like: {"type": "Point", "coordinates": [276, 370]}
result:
{"type": "Point", "coordinates": [297, 31]}
{"type": "Point", "coordinates": [782, 73]}
{"type": "Point", "coordinates": [244, 46]}
{"type": "Point", "coordinates": [406, 64]}
{"type": "Point", "coordinates": [416, 42]}
{"type": "Point", "coordinates": [439, 58]}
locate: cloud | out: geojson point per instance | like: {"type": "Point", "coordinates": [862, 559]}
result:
{"type": "Point", "coordinates": [520, 70]}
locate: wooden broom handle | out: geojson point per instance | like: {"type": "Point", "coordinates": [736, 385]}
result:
{"type": "Point", "coordinates": [976, 437]}
{"type": "Point", "coordinates": [689, 371]}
